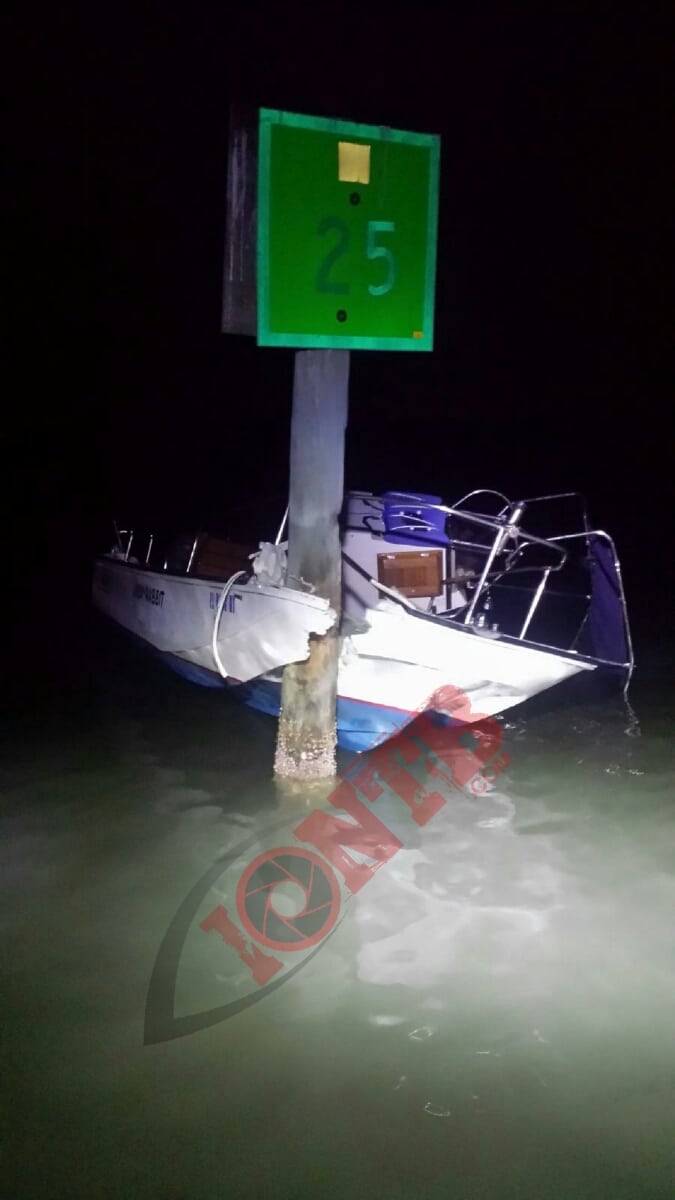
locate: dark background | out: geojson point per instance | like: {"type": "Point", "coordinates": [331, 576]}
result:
{"type": "Point", "coordinates": [553, 314]}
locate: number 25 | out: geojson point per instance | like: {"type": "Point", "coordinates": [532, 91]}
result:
{"type": "Point", "coordinates": [324, 281]}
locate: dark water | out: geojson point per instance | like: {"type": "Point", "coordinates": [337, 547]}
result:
{"type": "Point", "coordinates": [492, 1017]}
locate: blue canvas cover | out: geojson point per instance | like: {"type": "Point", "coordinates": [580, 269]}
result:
{"type": "Point", "coordinates": [606, 618]}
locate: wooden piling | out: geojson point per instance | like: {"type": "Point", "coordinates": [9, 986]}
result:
{"type": "Point", "coordinates": [306, 736]}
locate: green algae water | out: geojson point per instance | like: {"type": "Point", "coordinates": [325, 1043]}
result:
{"type": "Point", "coordinates": [492, 1016]}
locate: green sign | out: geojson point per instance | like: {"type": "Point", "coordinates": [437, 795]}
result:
{"type": "Point", "coordinates": [347, 223]}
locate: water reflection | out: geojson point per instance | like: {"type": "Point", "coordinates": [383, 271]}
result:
{"type": "Point", "coordinates": [492, 1017]}
{"type": "Point", "coordinates": [516, 957]}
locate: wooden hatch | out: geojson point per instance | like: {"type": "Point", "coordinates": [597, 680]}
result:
{"type": "Point", "coordinates": [412, 572]}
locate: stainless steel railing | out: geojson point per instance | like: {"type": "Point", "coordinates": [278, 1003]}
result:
{"type": "Point", "coordinates": [500, 560]}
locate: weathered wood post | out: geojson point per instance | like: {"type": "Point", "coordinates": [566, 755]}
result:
{"type": "Point", "coordinates": [331, 247]}
{"type": "Point", "coordinates": [306, 736]}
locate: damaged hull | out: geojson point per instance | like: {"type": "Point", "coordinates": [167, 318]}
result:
{"type": "Point", "coordinates": [396, 665]}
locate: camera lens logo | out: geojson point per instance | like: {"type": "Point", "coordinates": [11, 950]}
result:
{"type": "Point", "coordinates": [288, 899]}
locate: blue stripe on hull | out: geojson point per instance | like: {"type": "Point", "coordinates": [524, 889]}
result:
{"type": "Point", "coordinates": [360, 726]}
{"type": "Point", "coordinates": [191, 671]}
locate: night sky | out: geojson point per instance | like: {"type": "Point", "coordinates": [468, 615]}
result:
{"type": "Point", "coordinates": [553, 314]}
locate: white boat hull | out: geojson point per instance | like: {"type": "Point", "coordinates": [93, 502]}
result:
{"type": "Point", "coordinates": [401, 664]}
{"type": "Point", "coordinates": [259, 629]}
{"type": "Point", "coordinates": [407, 660]}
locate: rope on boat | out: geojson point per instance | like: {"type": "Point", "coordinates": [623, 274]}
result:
{"type": "Point", "coordinates": [219, 612]}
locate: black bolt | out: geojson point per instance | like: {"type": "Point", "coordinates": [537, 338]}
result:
{"type": "Point", "coordinates": [341, 314]}
{"type": "Point", "coordinates": [355, 198]}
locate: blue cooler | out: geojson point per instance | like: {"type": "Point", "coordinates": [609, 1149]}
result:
{"type": "Point", "coordinates": [407, 518]}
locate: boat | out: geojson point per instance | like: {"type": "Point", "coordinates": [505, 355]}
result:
{"type": "Point", "coordinates": [460, 599]}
